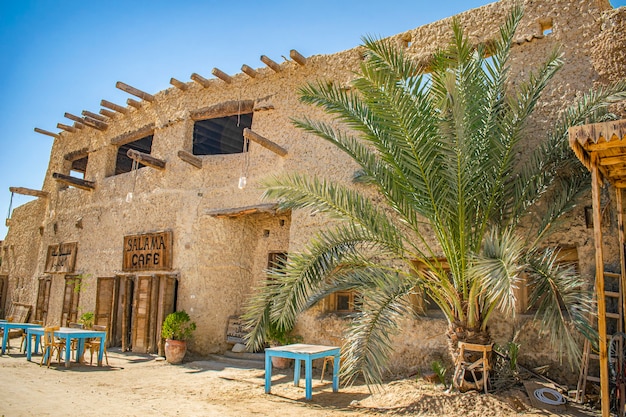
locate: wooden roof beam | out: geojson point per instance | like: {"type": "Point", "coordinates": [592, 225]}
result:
{"type": "Point", "coordinates": [200, 80]}
{"type": "Point", "coordinates": [146, 159]}
{"type": "Point", "coordinates": [222, 75]}
{"type": "Point", "coordinates": [296, 56]}
{"type": "Point", "coordinates": [30, 192]}
{"type": "Point", "coordinates": [134, 91]}
{"type": "Point", "coordinates": [273, 65]}
{"type": "Point", "coordinates": [113, 106]}
{"type": "Point", "coordinates": [96, 124]}
{"type": "Point", "coordinates": [134, 103]}
{"type": "Point", "coordinates": [178, 84]}
{"type": "Point", "coordinates": [108, 113]}
{"type": "Point", "coordinates": [66, 128]}
{"type": "Point", "coordinates": [47, 133]}
{"type": "Point", "coordinates": [190, 158]}
{"type": "Point", "coordinates": [266, 143]}
{"type": "Point", "coordinates": [74, 182]}
{"type": "Point", "coordinates": [249, 71]}
{"type": "Point", "coordinates": [94, 116]}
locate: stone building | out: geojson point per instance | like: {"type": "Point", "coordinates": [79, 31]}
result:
{"type": "Point", "coordinates": [181, 224]}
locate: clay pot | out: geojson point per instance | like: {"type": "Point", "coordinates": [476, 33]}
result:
{"type": "Point", "coordinates": [280, 363]}
{"type": "Point", "coordinates": [175, 351]}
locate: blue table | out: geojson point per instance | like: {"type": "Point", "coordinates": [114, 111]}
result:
{"type": "Point", "coordinates": [68, 334]}
{"type": "Point", "coordinates": [6, 326]}
{"type": "Point", "coordinates": [307, 353]}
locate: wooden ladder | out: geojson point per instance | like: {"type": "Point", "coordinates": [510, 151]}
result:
{"type": "Point", "coordinates": [614, 323]}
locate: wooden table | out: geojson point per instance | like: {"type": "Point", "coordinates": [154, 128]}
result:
{"type": "Point", "coordinates": [6, 326]}
{"type": "Point", "coordinates": [307, 353]}
{"type": "Point", "coordinates": [67, 333]}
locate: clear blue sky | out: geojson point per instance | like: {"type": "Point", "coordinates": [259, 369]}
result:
{"type": "Point", "coordinates": [60, 56]}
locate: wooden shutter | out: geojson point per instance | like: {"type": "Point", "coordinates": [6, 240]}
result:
{"type": "Point", "coordinates": [70, 300]}
{"type": "Point", "coordinates": [43, 299]}
{"type": "Point", "coordinates": [141, 314]}
{"type": "Point", "coordinates": [125, 309]}
{"type": "Point", "coordinates": [166, 305]}
{"type": "Point", "coordinates": [4, 286]}
{"type": "Point", "coordinates": [105, 298]}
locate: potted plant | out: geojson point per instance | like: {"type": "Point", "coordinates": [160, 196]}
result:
{"type": "Point", "coordinates": [177, 329]}
{"type": "Point", "coordinates": [87, 319]}
{"type": "Point", "coordinates": [279, 337]}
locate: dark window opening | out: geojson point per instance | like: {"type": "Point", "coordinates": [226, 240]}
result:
{"type": "Point", "coordinates": [222, 135]}
{"type": "Point", "coordinates": [276, 262]}
{"type": "Point", "coordinates": [345, 302]}
{"type": "Point", "coordinates": [124, 163]}
{"type": "Point", "coordinates": [79, 167]}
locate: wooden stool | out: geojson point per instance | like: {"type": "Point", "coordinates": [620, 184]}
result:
{"type": "Point", "coordinates": [481, 365]}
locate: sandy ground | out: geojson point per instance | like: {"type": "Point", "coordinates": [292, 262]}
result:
{"type": "Point", "coordinates": [145, 385]}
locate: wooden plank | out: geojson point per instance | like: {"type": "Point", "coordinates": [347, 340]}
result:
{"type": "Point", "coordinates": [270, 208]}
{"type": "Point", "coordinates": [141, 314]}
{"type": "Point", "coordinates": [178, 84]}
{"type": "Point", "coordinates": [146, 159]}
{"type": "Point", "coordinates": [222, 75]}
{"type": "Point", "coordinates": [30, 192]}
{"type": "Point", "coordinates": [94, 116]}
{"type": "Point", "coordinates": [227, 108]}
{"type": "Point", "coordinates": [236, 331]}
{"type": "Point", "coordinates": [266, 143]}
{"type": "Point", "coordinates": [249, 71]}
{"type": "Point", "coordinates": [134, 91]}
{"type": "Point", "coordinates": [74, 182]}
{"type": "Point", "coordinates": [622, 256]}
{"type": "Point", "coordinates": [152, 342]}
{"type": "Point", "coordinates": [190, 158]}
{"type": "Point", "coordinates": [61, 258]}
{"type": "Point", "coordinates": [270, 63]}
{"type": "Point", "coordinates": [113, 106]}
{"type": "Point", "coordinates": [148, 252]}
{"type": "Point", "coordinates": [200, 80]}
{"type": "Point", "coordinates": [47, 133]}
{"type": "Point", "coordinates": [296, 56]}
{"type": "Point", "coordinates": [127, 137]}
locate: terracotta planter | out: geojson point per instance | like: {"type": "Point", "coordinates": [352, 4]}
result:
{"type": "Point", "coordinates": [175, 350]}
{"type": "Point", "coordinates": [280, 363]}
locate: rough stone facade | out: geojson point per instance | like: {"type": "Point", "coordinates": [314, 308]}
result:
{"type": "Point", "coordinates": [217, 260]}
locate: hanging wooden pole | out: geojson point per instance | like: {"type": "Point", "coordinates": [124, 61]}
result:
{"type": "Point", "coordinates": [146, 159]}
{"type": "Point", "coordinates": [200, 80]}
{"type": "Point", "coordinates": [113, 106]}
{"type": "Point", "coordinates": [74, 182]}
{"type": "Point", "coordinates": [249, 71]}
{"type": "Point", "coordinates": [190, 158]}
{"type": "Point", "coordinates": [600, 298]}
{"type": "Point", "coordinates": [45, 132]}
{"type": "Point", "coordinates": [296, 56]}
{"type": "Point", "coordinates": [178, 84]}
{"type": "Point", "coordinates": [29, 191]}
{"type": "Point", "coordinates": [95, 116]}
{"type": "Point", "coordinates": [134, 91]}
{"type": "Point", "coordinates": [273, 65]}
{"type": "Point", "coordinates": [266, 143]}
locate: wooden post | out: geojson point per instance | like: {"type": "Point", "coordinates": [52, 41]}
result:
{"type": "Point", "coordinates": [273, 65]}
{"type": "Point", "coordinates": [146, 159]}
{"type": "Point", "coordinates": [29, 191]}
{"type": "Point", "coordinates": [108, 113]}
{"type": "Point", "coordinates": [619, 202]}
{"type": "Point", "coordinates": [266, 143]}
{"type": "Point", "coordinates": [134, 91]}
{"type": "Point", "coordinates": [178, 84]}
{"type": "Point", "coordinates": [600, 299]}
{"type": "Point", "coordinates": [45, 132]}
{"type": "Point", "coordinates": [295, 55]}
{"type": "Point", "coordinates": [113, 106]}
{"type": "Point", "coordinates": [249, 71]}
{"type": "Point", "coordinates": [190, 158]}
{"type": "Point", "coordinates": [74, 182]}
{"type": "Point", "coordinates": [136, 104]}
{"type": "Point", "coordinates": [66, 127]}
{"type": "Point", "coordinates": [222, 75]}
{"type": "Point", "coordinates": [200, 80]}
{"type": "Point", "coordinates": [94, 116]}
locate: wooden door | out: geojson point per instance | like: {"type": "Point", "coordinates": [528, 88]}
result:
{"type": "Point", "coordinates": [69, 313]}
{"type": "Point", "coordinates": [106, 294]}
{"type": "Point", "coordinates": [124, 322]}
{"type": "Point", "coordinates": [142, 308]}
{"type": "Point", "coordinates": [43, 299]}
{"type": "Point", "coordinates": [4, 287]}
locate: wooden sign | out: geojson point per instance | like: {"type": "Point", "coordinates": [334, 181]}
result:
{"type": "Point", "coordinates": [236, 331]}
{"type": "Point", "coordinates": [150, 251]}
{"type": "Point", "coordinates": [61, 258]}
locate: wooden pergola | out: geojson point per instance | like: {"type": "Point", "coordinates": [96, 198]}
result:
{"type": "Point", "coordinates": [601, 147]}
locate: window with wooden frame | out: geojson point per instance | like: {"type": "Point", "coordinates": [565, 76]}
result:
{"type": "Point", "coordinates": [425, 303]}
{"type": "Point", "coordinates": [221, 135]}
{"type": "Point", "coordinates": [123, 163]}
{"type": "Point", "coordinates": [344, 302]}
{"type": "Point", "coordinates": [69, 313]}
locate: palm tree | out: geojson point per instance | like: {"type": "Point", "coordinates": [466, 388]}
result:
{"type": "Point", "coordinates": [445, 154]}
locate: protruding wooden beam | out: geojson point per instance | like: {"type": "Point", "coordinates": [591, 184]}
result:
{"type": "Point", "coordinates": [267, 61]}
{"type": "Point", "coordinates": [74, 182]}
{"type": "Point", "coordinates": [73, 117]}
{"type": "Point", "coordinates": [47, 133]}
{"type": "Point", "coordinates": [251, 72]}
{"type": "Point", "coordinates": [29, 191]}
{"type": "Point", "coordinates": [200, 80]}
{"type": "Point", "coordinates": [266, 143]}
{"type": "Point", "coordinates": [113, 106]}
{"type": "Point", "coordinates": [178, 84]}
{"type": "Point", "coordinates": [190, 158]}
{"type": "Point", "coordinates": [66, 128]}
{"type": "Point", "coordinates": [96, 124]}
{"type": "Point", "coordinates": [146, 159]}
{"type": "Point", "coordinates": [108, 113]}
{"type": "Point", "coordinates": [127, 137]}
{"type": "Point", "coordinates": [222, 75]}
{"type": "Point", "coordinates": [227, 108]}
{"type": "Point", "coordinates": [77, 125]}
{"type": "Point", "coordinates": [131, 102]}
{"type": "Point", "coordinates": [94, 116]}
{"type": "Point", "coordinates": [296, 56]}
{"type": "Point", "coordinates": [134, 91]}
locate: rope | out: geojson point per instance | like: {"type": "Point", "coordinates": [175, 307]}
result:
{"type": "Point", "coordinates": [553, 397]}
{"type": "Point", "coordinates": [10, 205]}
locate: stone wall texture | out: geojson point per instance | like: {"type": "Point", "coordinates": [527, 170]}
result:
{"type": "Point", "coordinates": [218, 261]}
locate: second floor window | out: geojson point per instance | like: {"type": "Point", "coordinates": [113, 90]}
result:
{"type": "Point", "coordinates": [221, 135]}
{"type": "Point", "coordinates": [123, 163]}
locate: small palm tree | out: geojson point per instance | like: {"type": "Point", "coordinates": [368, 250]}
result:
{"type": "Point", "coordinates": [445, 155]}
